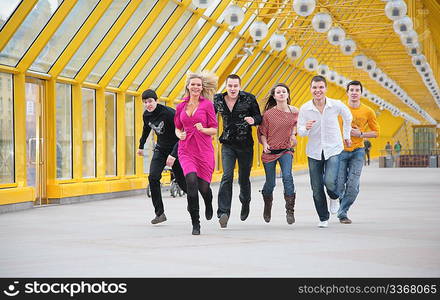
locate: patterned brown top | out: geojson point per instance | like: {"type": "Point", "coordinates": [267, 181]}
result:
{"type": "Point", "coordinates": [277, 126]}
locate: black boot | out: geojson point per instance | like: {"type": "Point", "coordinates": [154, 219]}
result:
{"type": "Point", "coordinates": [268, 199]}
{"type": "Point", "coordinates": [195, 220]}
{"type": "Point", "coordinates": [290, 205]}
{"type": "Point", "coordinates": [208, 210]}
{"type": "Point", "coordinates": [244, 211]}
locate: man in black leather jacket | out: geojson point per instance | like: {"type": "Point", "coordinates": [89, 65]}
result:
{"type": "Point", "coordinates": [239, 111]}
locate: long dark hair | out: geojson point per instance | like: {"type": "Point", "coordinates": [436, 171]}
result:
{"type": "Point", "coordinates": [270, 99]}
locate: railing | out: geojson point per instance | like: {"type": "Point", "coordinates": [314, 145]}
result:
{"type": "Point", "coordinates": [411, 158]}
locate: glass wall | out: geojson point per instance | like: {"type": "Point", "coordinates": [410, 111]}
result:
{"type": "Point", "coordinates": [64, 131]}
{"type": "Point", "coordinates": [88, 133]}
{"type": "Point", "coordinates": [110, 134]}
{"type": "Point", "coordinates": [129, 136]}
{"type": "Point", "coordinates": [6, 129]}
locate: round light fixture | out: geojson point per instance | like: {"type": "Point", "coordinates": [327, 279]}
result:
{"type": "Point", "coordinates": [277, 42]}
{"type": "Point", "coordinates": [311, 63]}
{"type": "Point", "coordinates": [293, 52]}
{"type": "Point", "coordinates": [234, 15]}
{"type": "Point", "coordinates": [258, 30]}
{"type": "Point", "coordinates": [321, 22]}
{"type": "Point", "coordinates": [395, 9]}
{"type": "Point", "coordinates": [304, 7]}
{"type": "Point", "coordinates": [336, 36]}
{"type": "Point", "coordinates": [348, 47]}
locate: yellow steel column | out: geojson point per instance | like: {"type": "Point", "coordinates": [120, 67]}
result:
{"type": "Point", "coordinates": [15, 21]}
{"type": "Point", "coordinates": [107, 41]}
{"type": "Point", "coordinates": [100, 133]}
{"type": "Point", "coordinates": [120, 109]}
{"type": "Point", "coordinates": [79, 38]}
{"type": "Point", "coordinates": [51, 131]}
{"type": "Point", "coordinates": [20, 129]}
{"type": "Point", "coordinates": [77, 131]}
{"type": "Point", "coordinates": [46, 34]}
{"type": "Point", "coordinates": [139, 125]}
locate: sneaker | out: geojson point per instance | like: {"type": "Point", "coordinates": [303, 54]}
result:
{"type": "Point", "coordinates": [323, 224]}
{"type": "Point", "coordinates": [223, 220]}
{"type": "Point", "coordinates": [334, 206]}
{"type": "Point", "coordinates": [345, 220]}
{"type": "Point", "coordinates": [159, 219]}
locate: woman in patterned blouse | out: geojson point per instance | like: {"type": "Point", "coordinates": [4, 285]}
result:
{"type": "Point", "coordinates": [277, 134]}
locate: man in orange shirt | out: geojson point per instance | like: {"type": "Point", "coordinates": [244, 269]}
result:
{"type": "Point", "coordinates": [364, 125]}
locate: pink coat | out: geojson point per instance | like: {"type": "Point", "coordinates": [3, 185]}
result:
{"type": "Point", "coordinates": [196, 152]}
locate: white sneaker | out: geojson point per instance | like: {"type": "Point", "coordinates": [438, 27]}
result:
{"type": "Point", "coordinates": [323, 224]}
{"type": "Point", "coordinates": [334, 206]}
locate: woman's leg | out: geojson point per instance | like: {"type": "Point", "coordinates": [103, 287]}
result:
{"type": "Point", "coordinates": [193, 201]}
{"type": "Point", "coordinates": [206, 192]}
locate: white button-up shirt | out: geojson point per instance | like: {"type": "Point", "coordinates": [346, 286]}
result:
{"type": "Point", "coordinates": [325, 135]}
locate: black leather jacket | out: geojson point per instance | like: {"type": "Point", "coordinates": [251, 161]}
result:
{"type": "Point", "coordinates": [236, 131]}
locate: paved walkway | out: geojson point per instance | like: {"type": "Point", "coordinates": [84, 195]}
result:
{"type": "Point", "coordinates": [395, 233]}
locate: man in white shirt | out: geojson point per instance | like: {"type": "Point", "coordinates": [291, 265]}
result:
{"type": "Point", "coordinates": [318, 120]}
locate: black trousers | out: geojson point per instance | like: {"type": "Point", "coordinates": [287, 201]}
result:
{"type": "Point", "coordinates": [157, 165]}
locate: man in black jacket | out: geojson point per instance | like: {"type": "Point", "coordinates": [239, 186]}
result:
{"type": "Point", "coordinates": [239, 111]}
{"type": "Point", "coordinates": [160, 118]}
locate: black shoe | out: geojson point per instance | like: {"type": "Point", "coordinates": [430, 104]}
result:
{"type": "Point", "coordinates": [244, 211]}
{"type": "Point", "coordinates": [209, 212]}
{"type": "Point", "coordinates": [196, 230]}
{"type": "Point", "coordinates": [223, 220]}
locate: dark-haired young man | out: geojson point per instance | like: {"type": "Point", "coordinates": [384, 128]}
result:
{"type": "Point", "coordinates": [364, 125]}
{"type": "Point", "coordinates": [318, 120]}
{"type": "Point", "coordinates": [239, 111]}
{"type": "Point", "coordinates": [160, 118]}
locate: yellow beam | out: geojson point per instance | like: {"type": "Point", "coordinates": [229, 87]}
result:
{"type": "Point", "coordinates": [20, 129]}
{"type": "Point", "coordinates": [15, 21]}
{"type": "Point", "coordinates": [79, 38]}
{"type": "Point", "coordinates": [107, 41]}
{"type": "Point", "coordinates": [132, 43]}
{"type": "Point", "coordinates": [169, 25]}
{"type": "Point", "coordinates": [77, 131]}
{"type": "Point", "coordinates": [51, 130]}
{"type": "Point", "coordinates": [120, 132]}
{"type": "Point", "coordinates": [100, 133]}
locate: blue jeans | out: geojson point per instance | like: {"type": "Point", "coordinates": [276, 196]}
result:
{"type": "Point", "coordinates": [285, 162]}
{"type": "Point", "coordinates": [244, 156]}
{"type": "Point", "coordinates": [323, 173]}
{"type": "Point", "coordinates": [350, 168]}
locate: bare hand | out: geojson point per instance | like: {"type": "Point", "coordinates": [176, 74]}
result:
{"type": "Point", "coordinates": [140, 152]}
{"type": "Point", "coordinates": [182, 135]}
{"type": "Point", "coordinates": [347, 143]}
{"type": "Point", "coordinates": [309, 124]}
{"type": "Point", "coordinates": [199, 126]}
{"type": "Point", "coordinates": [170, 161]}
{"type": "Point", "coordinates": [266, 148]}
{"type": "Point", "coordinates": [355, 132]}
{"type": "Point", "coordinates": [249, 120]}
{"type": "Point", "coordinates": [293, 140]}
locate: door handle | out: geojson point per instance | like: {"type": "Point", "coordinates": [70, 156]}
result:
{"type": "Point", "coordinates": [30, 142]}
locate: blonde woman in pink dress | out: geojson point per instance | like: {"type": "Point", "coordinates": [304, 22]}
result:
{"type": "Point", "coordinates": [196, 123]}
{"type": "Point", "coordinates": [277, 134]}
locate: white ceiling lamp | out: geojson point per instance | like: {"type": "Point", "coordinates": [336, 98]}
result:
{"type": "Point", "coordinates": [258, 30]}
{"type": "Point", "coordinates": [322, 70]}
{"type": "Point", "coordinates": [332, 76]}
{"type": "Point", "coordinates": [370, 65]}
{"type": "Point", "coordinates": [418, 60]}
{"type": "Point", "coordinates": [321, 22]}
{"type": "Point", "coordinates": [277, 42]}
{"type": "Point", "coordinates": [202, 3]}
{"type": "Point", "coordinates": [409, 39]}
{"type": "Point", "coordinates": [234, 15]}
{"type": "Point", "coordinates": [395, 9]}
{"type": "Point", "coordinates": [348, 46]}
{"type": "Point", "coordinates": [374, 74]}
{"type": "Point", "coordinates": [341, 80]}
{"type": "Point", "coordinates": [336, 36]}
{"type": "Point", "coordinates": [414, 49]}
{"type": "Point", "coordinates": [359, 61]}
{"type": "Point", "coordinates": [403, 25]}
{"type": "Point", "coordinates": [311, 63]}
{"type": "Point", "coordinates": [304, 7]}
{"type": "Point", "coordinates": [293, 51]}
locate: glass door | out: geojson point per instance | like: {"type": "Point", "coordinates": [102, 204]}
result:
{"type": "Point", "coordinates": [36, 138]}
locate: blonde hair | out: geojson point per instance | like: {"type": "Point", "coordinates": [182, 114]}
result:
{"type": "Point", "coordinates": [209, 83]}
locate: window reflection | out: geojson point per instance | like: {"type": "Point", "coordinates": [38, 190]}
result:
{"type": "Point", "coordinates": [129, 135]}
{"type": "Point", "coordinates": [110, 134]}
{"type": "Point", "coordinates": [64, 131]}
{"type": "Point", "coordinates": [6, 129]}
{"type": "Point", "coordinates": [88, 132]}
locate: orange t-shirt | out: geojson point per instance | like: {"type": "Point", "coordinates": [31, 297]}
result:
{"type": "Point", "coordinates": [364, 119]}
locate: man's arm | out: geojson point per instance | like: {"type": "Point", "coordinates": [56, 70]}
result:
{"type": "Point", "coordinates": [145, 133]}
{"type": "Point", "coordinates": [254, 111]}
{"type": "Point", "coordinates": [347, 118]}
